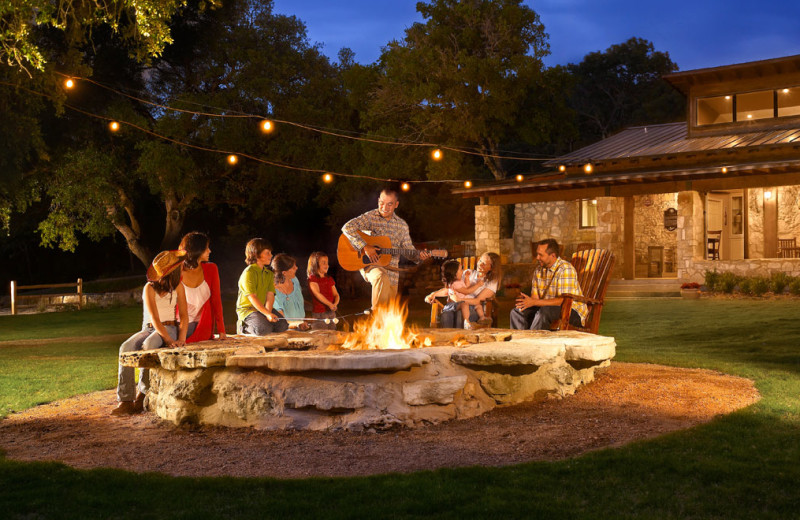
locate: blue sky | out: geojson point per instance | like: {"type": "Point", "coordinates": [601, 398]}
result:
{"type": "Point", "coordinates": [697, 34]}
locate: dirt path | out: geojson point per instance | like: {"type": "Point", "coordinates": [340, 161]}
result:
{"type": "Point", "coordinates": [627, 402]}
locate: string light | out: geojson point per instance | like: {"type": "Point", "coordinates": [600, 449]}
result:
{"type": "Point", "coordinates": [267, 126]}
{"type": "Point", "coordinates": [68, 83]}
{"type": "Point", "coordinates": [327, 178]}
{"type": "Point", "coordinates": [405, 186]}
{"type": "Point", "coordinates": [232, 159]}
{"type": "Point", "coordinates": [519, 177]}
{"type": "Point", "coordinates": [724, 169]}
{"type": "Point", "coordinates": [562, 168]}
{"type": "Point", "coordinates": [436, 154]}
{"type": "Point", "coordinates": [113, 126]}
{"type": "Point", "coordinates": [588, 168]}
{"type": "Point", "coordinates": [467, 184]}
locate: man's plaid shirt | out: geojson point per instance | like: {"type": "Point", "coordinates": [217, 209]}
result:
{"type": "Point", "coordinates": [563, 279]}
{"type": "Point", "coordinates": [373, 223]}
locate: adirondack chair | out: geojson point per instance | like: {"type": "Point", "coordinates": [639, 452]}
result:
{"type": "Point", "coordinates": [594, 272]}
{"type": "Point", "coordinates": [489, 306]}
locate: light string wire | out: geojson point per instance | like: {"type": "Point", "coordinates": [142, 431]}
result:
{"type": "Point", "coordinates": [311, 128]}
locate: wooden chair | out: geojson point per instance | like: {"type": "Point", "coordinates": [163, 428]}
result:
{"type": "Point", "coordinates": [787, 247]}
{"type": "Point", "coordinates": [489, 306]}
{"type": "Point", "coordinates": [714, 239]}
{"type": "Point", "coordinates": [594, 272]}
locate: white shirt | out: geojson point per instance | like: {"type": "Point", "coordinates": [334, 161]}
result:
{"type": "Point", "coordinates": [196, 297]}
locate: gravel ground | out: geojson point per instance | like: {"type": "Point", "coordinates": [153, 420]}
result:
{"type": "Point", "coordinates": [627, 402]}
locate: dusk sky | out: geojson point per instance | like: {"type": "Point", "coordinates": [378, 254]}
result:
{"type": "Point", "coordinates": [697, 34]}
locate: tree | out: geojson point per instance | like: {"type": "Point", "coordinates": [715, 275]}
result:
{"type": "Point", "coordinates": [463, 77]}
{"type": "Point", "coordinates": [144, 24]}
{"type": "Point", "coordinates": [622, 87]}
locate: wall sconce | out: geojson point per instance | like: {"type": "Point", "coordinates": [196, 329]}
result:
{"type": "Point", "coordinates": [767, 195]}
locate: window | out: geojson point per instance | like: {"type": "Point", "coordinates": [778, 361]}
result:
{"type": "Point", "coordinates": [588, 210]}
{"type": "Point", "coordinates": [789, 102]}
{"type": "Point", "coordinates": [755, 105]}
{"type": "Point", "coordinates": [713, 110]}
{"type": "Point", "coordinates": [748, 106]}
{"type": "Point", "coordinates": [737, 227]}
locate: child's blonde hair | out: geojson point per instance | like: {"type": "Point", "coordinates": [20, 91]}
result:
{"type": "Point", "coordinates": [313, 263]}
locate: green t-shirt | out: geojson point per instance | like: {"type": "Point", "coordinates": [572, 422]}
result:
{"type": "Point", "coordinates": [254, 280]}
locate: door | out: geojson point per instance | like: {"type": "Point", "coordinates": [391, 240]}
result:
{"type": "Point", "coordinates": [734, 236]}
{"type": "Point", "coordinates": [714, 218]}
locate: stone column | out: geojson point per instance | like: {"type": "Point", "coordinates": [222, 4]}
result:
{"type": "Point", "coordinates": [609, 230]}
{"type": "Point", "coordinates": [691, 233]}
{"type": "Point", "coordinates": [487, 229]}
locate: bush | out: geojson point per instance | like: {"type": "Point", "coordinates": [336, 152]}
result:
{"type": "Point", "coordinates": [728, 282]}
{"type": "Point", "coordinates": [794, 286]}
{"type": "Point", "coordinates": [778, 282]}
{"type": "Point", "coordinates": [755, 286]}
{"type": "Point", "coordinates": [712, 280]}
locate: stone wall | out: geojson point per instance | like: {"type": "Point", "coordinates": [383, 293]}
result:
{"type": "Point", "coordinates": [753, 267]}
{"type": "Point", "coordinates": [755, 223]}
{"type": "Point", "coordinates": [539, 220]}
{"type": "Point", "coordinates": [487, 228]}
{"type": "Point", "coordinates": [691, 235]}
{"type": "Point", "coordinates": [610, 229]}
{"type": "Point", "coordinates": [649, 232]}
{"type": "Point", "coordinates": [789, 212]}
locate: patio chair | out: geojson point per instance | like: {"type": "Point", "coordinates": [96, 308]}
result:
{"type": "Point", "coordinates": [593, 267]}
{"type": "Point", "coordinates": [714, 239]}
{"type": "Point", "coordinates": [787, 247]}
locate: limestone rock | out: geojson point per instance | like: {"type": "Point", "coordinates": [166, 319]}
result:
{"type": "Point", "coordinates": [174, 359]}
{"type": "Point", "coordinates": [518, 352]}
{"type": "Point", "coordinates": [433, 391]}
{"type": "Point", "coordinates": [325, 395]}
{"type": "Point", "coordinates": [358, 360]}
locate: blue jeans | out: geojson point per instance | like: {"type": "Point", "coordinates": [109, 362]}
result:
{"type": "Point", "coordinates": [145, 339]}
{"type": "Point", "coordinates": [540, 318]}
{"type": "Point", "coordinates": [451, 317]}
{"type": "Point", "coordinates": [256, 324]}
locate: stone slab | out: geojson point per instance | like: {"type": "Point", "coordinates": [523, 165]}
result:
{"type": "Point", "coordinates": [526, 351]}
{"type": "Point", "coordinates": [357, 360]}
{"type": "Point", "coordinates": [433, 391]}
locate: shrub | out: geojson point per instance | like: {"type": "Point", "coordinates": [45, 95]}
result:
{"type": "Point", "coordinates": [728, 282]}
{"type": "Point", "coordinates": [794, 286]}
{"type": "Point", "coordinates": [712, 280]}
{"type": "Point", "coordinates": [778, 282]}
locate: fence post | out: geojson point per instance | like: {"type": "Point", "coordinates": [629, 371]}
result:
{"type": "Point", "coordinates": [80, 293]}
{"type": "Point", "coordinates": [13, 297]}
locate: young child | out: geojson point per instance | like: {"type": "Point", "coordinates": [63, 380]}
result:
{"type": "Point", "coordinates": [162, 295]}
{"type": "Point", "coordinates": [324, 295]}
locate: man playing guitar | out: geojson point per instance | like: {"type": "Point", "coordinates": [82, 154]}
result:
{"type": "Point", "coordinates": [381, 221]}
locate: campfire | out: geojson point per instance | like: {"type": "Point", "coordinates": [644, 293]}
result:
{"type": "Point", "coordinates": [384, 329]}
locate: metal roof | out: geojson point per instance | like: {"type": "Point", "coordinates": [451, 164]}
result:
{"type": "Point", "coordinates": [670, 138]}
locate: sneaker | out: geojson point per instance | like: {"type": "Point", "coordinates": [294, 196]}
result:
{"type": "Point", "coordinates": [138, 404]}
{"type": "Point", "coordinates": [467, 325]}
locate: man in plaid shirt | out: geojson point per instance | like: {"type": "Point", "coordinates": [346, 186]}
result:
{"type": "Point", "coordinates": [382, 222]}
{"type": "Point", "coordinates": [552, 278]}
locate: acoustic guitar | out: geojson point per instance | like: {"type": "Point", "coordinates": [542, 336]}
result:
{"type": "Point", "coordinates": [351, 260]}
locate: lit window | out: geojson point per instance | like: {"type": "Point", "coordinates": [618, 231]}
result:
{"type": "Point", "coordinates": [789, 102]}
{"type": "Point", "coordinates": [755, 105]}
{"type": "Point", "coordinates": [714, 110]}
{"type": "Point", "coordinates": [588, 210]}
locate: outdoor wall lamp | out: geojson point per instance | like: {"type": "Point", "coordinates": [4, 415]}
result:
{"type": "Point", "coordinates": [767, 195]}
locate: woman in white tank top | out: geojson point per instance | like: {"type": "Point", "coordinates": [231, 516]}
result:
{"type": "Point", "coordinates": [200, 280]}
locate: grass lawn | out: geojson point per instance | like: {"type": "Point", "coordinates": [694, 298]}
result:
{"type": "Point", "coordinates": [745, 465]}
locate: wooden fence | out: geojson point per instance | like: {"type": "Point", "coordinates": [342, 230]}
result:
{"type": "Point", "coordinates": [77, 285]}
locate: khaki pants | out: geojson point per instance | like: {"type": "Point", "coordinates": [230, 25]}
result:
{"type": "Point", "coordinates": [382, 291]}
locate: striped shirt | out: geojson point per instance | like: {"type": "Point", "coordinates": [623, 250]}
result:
{"type": "Point", "coordinates": [372, 223]}
{"type": "Point", "coordinates": [560, 278]}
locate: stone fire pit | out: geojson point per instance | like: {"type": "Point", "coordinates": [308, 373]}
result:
{"type": "Point", "coordinates": [299, 380]}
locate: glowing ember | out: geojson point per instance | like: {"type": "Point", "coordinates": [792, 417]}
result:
{"type": "Point", "coordinates": [384, 329]}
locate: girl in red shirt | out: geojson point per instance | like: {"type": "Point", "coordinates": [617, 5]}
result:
{"type": "Point", "coordinates": [324, 295]}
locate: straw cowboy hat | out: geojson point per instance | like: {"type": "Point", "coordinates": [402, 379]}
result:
{"type": "Point", "coordinates": [164, 263]}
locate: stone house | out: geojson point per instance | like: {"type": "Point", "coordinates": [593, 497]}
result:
{"type": "Point", "coordinates": [720, 191]}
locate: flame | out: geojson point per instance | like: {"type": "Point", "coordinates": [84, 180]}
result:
{"type": "Point", "coordinates": [384, 329]}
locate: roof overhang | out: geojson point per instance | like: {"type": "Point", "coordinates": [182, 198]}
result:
{"type": "Point", "coordinates": [683, 81]}
{"type": "Point", "coordinates": [702, 179]}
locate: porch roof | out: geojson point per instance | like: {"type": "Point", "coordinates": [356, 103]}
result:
{"type": "Point", "coordinates": [659, 159]}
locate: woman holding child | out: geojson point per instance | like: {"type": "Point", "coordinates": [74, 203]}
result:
{"type": "Point", "coordinates": [477, 286]}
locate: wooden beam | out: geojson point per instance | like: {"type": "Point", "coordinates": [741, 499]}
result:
{"type": "Point", "coordinates": [628, 249]}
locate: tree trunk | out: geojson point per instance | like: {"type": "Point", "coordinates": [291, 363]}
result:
{"type": "Point", "coordinates": [176, 214]}
{"type": "Point", "coordinates": [130, 229]}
